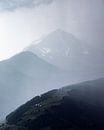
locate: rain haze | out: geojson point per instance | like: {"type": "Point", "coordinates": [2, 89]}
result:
{"type": "Point", "coordinates": [48, 44]}
{"type": "Point", "coordinates": [24, 21]}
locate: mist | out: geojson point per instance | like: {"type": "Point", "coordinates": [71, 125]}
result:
{"type": "Point", "coordinates": [25, 22]}
{"type": "Point", "coordinates": [22, 23]}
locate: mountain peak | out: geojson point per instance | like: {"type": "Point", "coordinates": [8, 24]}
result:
{"type": "Point", "coordinates": [64, 50]}
{"type": "Point", "coordinates": [52, 42]}
{"type": "Point", "coordinates": [59, 31]}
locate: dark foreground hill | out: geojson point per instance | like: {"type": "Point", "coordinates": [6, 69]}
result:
{"type": "Point", "coordinates": [76, 107]}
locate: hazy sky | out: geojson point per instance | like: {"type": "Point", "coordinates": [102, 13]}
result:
{"type": "Point", "coordinates": [23, 21]}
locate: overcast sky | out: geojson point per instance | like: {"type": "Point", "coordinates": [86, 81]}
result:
{"type": "Point", "coordinates": [23, 21]}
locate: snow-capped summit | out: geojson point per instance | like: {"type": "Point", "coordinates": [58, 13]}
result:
{"type": "Point", "coordinates": [66, 51]}
{"type": "Point", "coordinates": [57, 46]}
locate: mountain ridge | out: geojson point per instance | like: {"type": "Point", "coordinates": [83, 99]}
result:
{"type": "Point", "coordinates": [19, 74]}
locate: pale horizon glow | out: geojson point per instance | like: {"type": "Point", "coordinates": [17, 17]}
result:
{"type": "Point", "coordinates": [19, 28]}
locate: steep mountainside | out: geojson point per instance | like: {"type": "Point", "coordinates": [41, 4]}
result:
{"type": "Point", "coordinates": [75, 107]}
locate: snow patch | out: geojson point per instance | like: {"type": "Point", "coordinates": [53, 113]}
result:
{"type": "Point", "coordinates": [44, 51]}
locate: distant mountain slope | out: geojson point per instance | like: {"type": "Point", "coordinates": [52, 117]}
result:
{"type": "Point", "coordinates": [66, 51]}
{"type": "Point", "coordinates": [24, 76]}
{"type": "Point", "coordinates": [80, 108]}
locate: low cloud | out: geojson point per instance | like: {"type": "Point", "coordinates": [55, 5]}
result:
{"type": "Point", "coordinates": [11, 5]}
